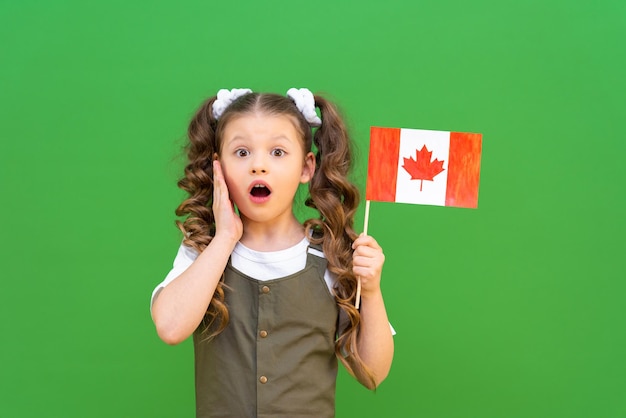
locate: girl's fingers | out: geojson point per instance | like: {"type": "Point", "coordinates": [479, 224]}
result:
{"type": "Point", "coordinates": [367, 258]}
{"type": "Point", "coordinates": [365, 240]}
{"type": "Point", "coordinates": [221, 200]}
{"type": "Point", "coordinates": [226, 218]}
{"type": "Point", "coordinates": [218, 176]}
{"type": "Point", "coordinates": [216, 179]}
{"type": "Point", "coordinates": [219, 184]}
{"type": "Point", "coordinates": [364, 251]}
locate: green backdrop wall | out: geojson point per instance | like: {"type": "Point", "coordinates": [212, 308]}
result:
{"type": "Point", "coordinates": [515, 309]}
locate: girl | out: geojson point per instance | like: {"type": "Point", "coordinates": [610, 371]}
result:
{"type": "Point", "coordinates": [270, 301]}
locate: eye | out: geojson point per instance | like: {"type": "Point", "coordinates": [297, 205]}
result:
{"type": "Point", "coordinates": [242, 152]}
{"type": "Point", "coordinates": [277, 152]}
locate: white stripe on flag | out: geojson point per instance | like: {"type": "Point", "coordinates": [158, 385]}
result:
{"type": "Point", "coordinates": [433, 192]}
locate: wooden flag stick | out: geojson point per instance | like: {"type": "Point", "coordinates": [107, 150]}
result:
{"type": "Point", "coordinates": [357, 302]}
{"type": "Point", "coordinates": [367, 216]}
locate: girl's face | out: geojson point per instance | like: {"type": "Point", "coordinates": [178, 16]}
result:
{"type": "Point", "coordinates": [263, 161]}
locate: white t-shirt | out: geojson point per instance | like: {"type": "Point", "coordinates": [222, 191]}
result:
{"type": "Point", "coordinates": [262, 265]}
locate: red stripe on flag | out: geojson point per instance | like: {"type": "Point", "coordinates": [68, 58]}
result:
{"type": "Point", "coordinates": [463, 170]}
{"type": "Point", "coordinates": [383, 164]}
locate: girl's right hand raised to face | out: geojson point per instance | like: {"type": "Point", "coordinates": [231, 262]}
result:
{"type": "Point", "coordinates": [227, 222]}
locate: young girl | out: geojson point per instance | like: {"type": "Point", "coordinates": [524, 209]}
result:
{"type": "Point", "coordinates": [270, 301]}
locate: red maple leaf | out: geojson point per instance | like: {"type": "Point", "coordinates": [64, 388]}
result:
{"type": "Point", "coordinates": [421, 168]}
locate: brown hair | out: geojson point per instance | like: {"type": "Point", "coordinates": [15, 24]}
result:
{"type": "Point", "coordinates": [330, 193]}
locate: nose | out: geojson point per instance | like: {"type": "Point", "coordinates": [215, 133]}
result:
{"type": "Point", "coordinates": [259, 165]}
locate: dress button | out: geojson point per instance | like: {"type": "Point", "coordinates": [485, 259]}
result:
{"type": "Point", "coordinates": [265, 289]}
{"type": "Point", "coordinates": [263, 334]}
{"type": "Point", "coordinates": [263, 379]}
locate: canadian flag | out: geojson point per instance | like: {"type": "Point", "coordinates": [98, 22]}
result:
{"type": "Point", "coordinates": [424, 167]}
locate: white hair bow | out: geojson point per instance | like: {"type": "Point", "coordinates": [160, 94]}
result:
{"type": "Point", "coordinates": [305, 102]}
{"type": "Point", "coordinates": [225, 98]}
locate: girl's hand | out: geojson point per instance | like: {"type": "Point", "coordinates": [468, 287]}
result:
{"type": "Point", "coordinates": [227, 222]}
{"type": "Point", "coordinates": [367, 263]}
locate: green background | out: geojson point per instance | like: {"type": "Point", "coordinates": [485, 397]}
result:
{"type": "Point", "coordinates": [515, 309]}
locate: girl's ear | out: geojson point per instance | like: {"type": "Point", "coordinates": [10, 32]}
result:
{"type": "Point", "coordinates": [308, 169]}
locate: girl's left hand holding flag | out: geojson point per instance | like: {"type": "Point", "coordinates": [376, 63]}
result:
{"type": "Point", "coordinates": [375, 339]}
{"type": "Point", "coordinates": [367, 263]}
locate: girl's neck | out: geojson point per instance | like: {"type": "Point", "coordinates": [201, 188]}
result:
{"type": "Point", "coordinates": [271, 237]}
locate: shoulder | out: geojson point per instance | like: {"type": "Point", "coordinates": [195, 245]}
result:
{"type": "Point", "coordinates": [184, 258]}
{"type": "Point", "coordinates": [186, 253]}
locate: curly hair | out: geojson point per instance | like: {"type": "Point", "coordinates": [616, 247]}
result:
{"type": "Point", "coordinates": [331, 194]}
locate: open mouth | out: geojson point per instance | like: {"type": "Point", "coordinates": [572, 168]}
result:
{"type": "Point", "coordinates": [260, 190]}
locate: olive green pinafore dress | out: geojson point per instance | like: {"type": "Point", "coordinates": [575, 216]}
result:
{"type": "Point", "coordinates": [276, 357]}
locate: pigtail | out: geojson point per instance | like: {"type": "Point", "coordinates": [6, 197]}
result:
{"type": "Point", "coordinates": [337, 199]}
{"type": "Point", "coordinates": [199, 227]}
